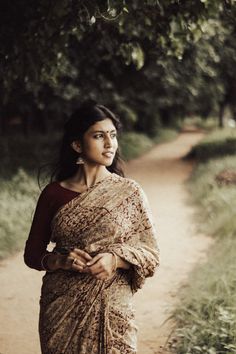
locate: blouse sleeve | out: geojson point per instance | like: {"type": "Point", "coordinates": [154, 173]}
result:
{"type": "Point", "coordinates": [140, 248]}
{"type": "Point", "coordinates": [40, 232]}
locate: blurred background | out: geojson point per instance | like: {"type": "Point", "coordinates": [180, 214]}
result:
{"type": "Point", "coordinates": [160, 65]}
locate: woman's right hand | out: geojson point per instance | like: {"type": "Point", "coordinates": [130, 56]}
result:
{"type": "Point", "coordinates": [75, 260]}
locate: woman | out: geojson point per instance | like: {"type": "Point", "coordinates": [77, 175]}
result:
{"type": "Point", "coordinates": [105, 242]}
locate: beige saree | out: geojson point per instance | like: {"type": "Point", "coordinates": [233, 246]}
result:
{"type": "Point", "coordinates": [78, 313]}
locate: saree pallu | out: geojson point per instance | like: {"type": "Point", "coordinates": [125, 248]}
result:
{"type": "Point", "coordinates": [78, 313]}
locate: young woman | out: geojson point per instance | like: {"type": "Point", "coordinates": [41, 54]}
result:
{"type": "Point", "coordinates": [105, 242]}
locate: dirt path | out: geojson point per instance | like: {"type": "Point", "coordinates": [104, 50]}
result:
{"type": "Point", "coordinates": [162, 173]}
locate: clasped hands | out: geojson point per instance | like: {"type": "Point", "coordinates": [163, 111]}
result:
{"type": "Point", "coordinates": [101, 266]}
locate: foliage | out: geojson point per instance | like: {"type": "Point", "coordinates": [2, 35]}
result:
{"type": "Point", "coordinates": [207, 125]}
{"type": "Point", "coordinates": [18, 197]}
{"type": "Point", "coordinates": [45, 48]}
{"type": "Point", "coordinates": [161, 60]}
{"type": "Point", "coordinates": [217, 201]}
{"type": "Point", "coordinates": [17, 152]}
{"type": "Point", "coordinates": [219, 143]}
{"type": "Point", "coordinates": [206, 315]}
{"type": "Point", "coordinates": [133, 144]}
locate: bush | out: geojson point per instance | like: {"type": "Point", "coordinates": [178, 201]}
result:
{"type": "Point", "coordinates": [207, 124]}
{"type": "Point", "coordinates": [18, 198]}
{"type": "Point", "coordinates": [217, 203]}
{"type": "Point", "coordinates": [163, 135]}
{"type": "Point", "coordinates": [134, 144]}
{"type": "Point", "coordinates": [206, 316]}
{"type": "Point", "coordinates": [27, 153]}
{"type": "Point", "coordinates": [220, 143]}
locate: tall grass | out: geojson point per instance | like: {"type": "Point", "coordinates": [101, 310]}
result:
{"type": "Point", "coordinates": [20, 160]}
{"type": "Point", "coordinates": [17, 200]}
{"type": "Point", "coordinates": [206, 316]}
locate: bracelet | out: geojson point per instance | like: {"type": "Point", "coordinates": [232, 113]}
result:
{"type": "Point", "coordinates": [62, 250]}
{"type": "Point", "coordinates": [42, 263]}
{"type": "Point", "coordinates": [116, 261]}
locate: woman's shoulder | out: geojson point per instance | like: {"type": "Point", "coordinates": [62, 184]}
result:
{"type": "Point", "coordinates": [51, 187]}
{"type": "Point", "coordinates": [50, 190]}
{"type": "Point", "coordinates": [130, 183]}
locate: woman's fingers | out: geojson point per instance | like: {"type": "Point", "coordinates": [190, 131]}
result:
{"type": "Point", "coordinates": [77, 265]}
{"type": "Point", "coordinates": [79, 259]}
{"type": "Point", "coordinates": [82, 254]}
{"type": "Point", "coordinates": [95, 259]}
{"type": "Point", "coordinates": [101, 266]}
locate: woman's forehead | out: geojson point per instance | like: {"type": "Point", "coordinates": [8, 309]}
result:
{"type": "Point", "coordinates": [103, 125]}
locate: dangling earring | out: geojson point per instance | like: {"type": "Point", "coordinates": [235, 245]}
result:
{"type": "Point", "coordinates": [80, 161]}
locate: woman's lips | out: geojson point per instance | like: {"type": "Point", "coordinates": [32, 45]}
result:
{"type": "Point", "coordinates": [108, 154]}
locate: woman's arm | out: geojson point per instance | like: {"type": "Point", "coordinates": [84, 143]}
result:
{"type": "Point", "coordinates": [140, 247]}
{"type": "Point", "coordinates": [40, 232]}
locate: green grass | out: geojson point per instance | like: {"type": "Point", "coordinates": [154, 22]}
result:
{"type": "Point", "coordinates": [206, 315]}
{"type": "Point", "coordinates": [20, 160]}
{"type": "Point", "coordinates": [217, 204]}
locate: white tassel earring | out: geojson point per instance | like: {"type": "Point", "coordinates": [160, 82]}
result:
{"type": "Point", "coordinates": [80, 161]}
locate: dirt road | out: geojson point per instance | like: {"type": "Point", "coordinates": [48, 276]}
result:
{"type": "Point", "coordinates": [162, 173]}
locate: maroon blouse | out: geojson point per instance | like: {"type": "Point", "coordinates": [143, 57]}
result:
{"type": "Point", "coordinates": [50, 200]}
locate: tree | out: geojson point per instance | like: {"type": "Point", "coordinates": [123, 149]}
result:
{"type": "Point", "coordinates": [80, 48]}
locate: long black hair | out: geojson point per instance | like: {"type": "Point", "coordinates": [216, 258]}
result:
{"type": "Point", "coordinates": [79, 122]}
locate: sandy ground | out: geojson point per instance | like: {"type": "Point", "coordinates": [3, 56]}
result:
{"type": "Point", "coordinates": [162, 174]}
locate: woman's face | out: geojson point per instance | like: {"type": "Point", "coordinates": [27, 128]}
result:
{"type": "Point", "coordinates": [99, 143]}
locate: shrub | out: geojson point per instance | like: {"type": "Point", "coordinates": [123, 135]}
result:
{"type": "Point", "coordinates": [220, 143]}
{"type": "Point", "coordinates": [206, 316]}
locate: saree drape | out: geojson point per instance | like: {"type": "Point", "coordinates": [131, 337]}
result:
{"type": "Point", "coordinates": [78, 313]}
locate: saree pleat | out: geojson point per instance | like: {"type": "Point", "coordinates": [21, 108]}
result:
{"type": "Point", "coordinates": [78, 313]}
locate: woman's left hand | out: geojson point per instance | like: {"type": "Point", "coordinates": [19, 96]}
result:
{"type": "Point", "coordinates": [102, 266]}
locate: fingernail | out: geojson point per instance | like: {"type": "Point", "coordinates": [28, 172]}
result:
{"type": "Point", "coordinates": [88, 263]}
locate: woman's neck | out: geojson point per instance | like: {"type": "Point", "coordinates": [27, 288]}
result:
{"type": "Point", "coordinates": [87, 176]}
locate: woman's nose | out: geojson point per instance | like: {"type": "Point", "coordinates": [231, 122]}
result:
{"type": "Point", "coordinates": [108, 141]}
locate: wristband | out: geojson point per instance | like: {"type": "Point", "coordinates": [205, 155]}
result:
{"type": "Point", "coordinates": [42, 262]}
{"type": "Point", "coordinates": [62, 250]}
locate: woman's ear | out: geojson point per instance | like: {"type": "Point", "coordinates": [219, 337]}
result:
{"type": "Point", "coordinates": [76, 146]}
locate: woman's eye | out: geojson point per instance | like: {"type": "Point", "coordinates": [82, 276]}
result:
{"type": "Point", "coordinates": [98, 136]}
{"type": "Point", "coordinates": [113, 135]}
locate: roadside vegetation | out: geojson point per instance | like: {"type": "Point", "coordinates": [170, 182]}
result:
{"type": "Point", "coordinates": [19, 190]}
{"type": "Point", "coordinates": [218, 144]}
{"type": "Point", "coordinates": [206, 316]}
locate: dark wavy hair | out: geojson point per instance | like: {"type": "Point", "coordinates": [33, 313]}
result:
{"type": "Point", "coordinates": [79, 122]}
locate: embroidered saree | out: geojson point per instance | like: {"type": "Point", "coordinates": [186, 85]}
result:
{"type": "Point", "coordinates": [78, 313]}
